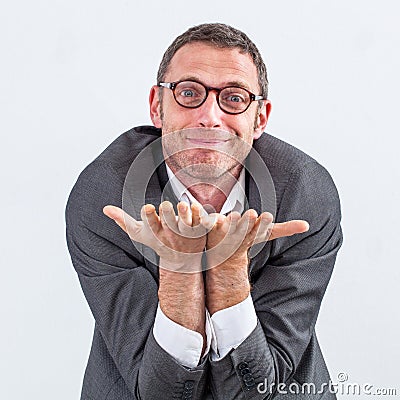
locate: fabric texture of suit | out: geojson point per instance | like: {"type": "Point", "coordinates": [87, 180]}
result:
{"type": "Point", "coordinates": [289, 277]}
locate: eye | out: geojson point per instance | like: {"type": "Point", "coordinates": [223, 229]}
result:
{"type": "Point", "coordinates": [235, 99]}
{"type": "Point", "coordinates": [187, 93]}
{"type": "Point", "coordinates": [234, 96]}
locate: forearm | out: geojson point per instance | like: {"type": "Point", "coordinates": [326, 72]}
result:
{"type": "Point", "coordinates": [237, 372]}
{"type": "Point", "coordinates": [181, 297]}
{"type": "Point", "coordinates": [227, 284]}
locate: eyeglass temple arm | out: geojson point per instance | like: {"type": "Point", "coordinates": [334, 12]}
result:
{"type": "Point", "coordinates": [168, 85]}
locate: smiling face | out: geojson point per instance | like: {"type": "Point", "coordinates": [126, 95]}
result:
{"type": "Point", "coordinates": [206, 134]}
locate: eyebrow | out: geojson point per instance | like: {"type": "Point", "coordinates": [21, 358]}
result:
{"type": "Point", "coordinates": [241, 84]}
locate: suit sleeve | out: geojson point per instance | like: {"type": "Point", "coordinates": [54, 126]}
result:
{"type": "Point", "coordinates": [287, 291]}
{"type": "Point", "coordinates": [121, 291]}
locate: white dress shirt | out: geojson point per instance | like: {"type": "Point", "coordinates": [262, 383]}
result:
{"type": "Point", "coordinates": [226, 329]}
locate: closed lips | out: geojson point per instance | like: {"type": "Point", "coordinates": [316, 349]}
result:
{"type": "Point", "coordinates": [207, 141]}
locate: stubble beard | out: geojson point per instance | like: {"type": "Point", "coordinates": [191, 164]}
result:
{"type": "Point", "coordinates": [202, 165]}
{"type": "Point", "coordinates": [194, 165]}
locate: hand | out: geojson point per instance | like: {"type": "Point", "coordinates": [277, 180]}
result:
{"type": "Point", "coordinates": [178, 240]}
{"type": "Point", "coordinates": [233, 235]}
{"type": "Point", "coordinates": [227, 245]}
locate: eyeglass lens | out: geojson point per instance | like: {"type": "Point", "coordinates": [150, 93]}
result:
{"type": "Point", "coordinates": [192, 94]}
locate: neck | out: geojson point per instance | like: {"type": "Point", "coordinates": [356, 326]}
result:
{"type": "Point", "coordinates": [211, 195]}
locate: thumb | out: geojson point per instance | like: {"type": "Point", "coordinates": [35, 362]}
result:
{"type": "Point", "coordinates": [289, 228]}
{"type": "Point", "coordinates": [128, 224]}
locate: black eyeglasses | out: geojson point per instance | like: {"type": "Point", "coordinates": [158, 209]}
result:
{"type": "Point", "coordinates": [192, 94]}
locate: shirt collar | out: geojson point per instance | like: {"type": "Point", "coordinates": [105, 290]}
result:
{"type": "Point", "coordinates": [234, 202]}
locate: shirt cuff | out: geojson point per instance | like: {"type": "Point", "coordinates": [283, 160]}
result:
{"type": "Point", "coordinates": [181, 343]}
{"type": "Point", "coordinates": [231, 327]}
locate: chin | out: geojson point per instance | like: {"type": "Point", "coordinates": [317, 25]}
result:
{"type": "Point", "coordinates": [205, 172]}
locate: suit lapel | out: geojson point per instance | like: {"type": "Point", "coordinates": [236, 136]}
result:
{"type": "Point", "coordinates": [256, 183]}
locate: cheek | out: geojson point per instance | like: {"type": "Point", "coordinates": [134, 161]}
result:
{"type": "Point", "coordinates": [173, 116]}
{"type": "Point", "coordinates": [245, 127]}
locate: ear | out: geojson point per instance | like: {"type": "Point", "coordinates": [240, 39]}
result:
{"type": "Point", "coordinates": [154, 101]}
{"type": "Point", "coordinates": [262, 119]}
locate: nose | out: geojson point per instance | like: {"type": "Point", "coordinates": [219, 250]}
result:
{"type": "Point", "coordinates": [209, 113]}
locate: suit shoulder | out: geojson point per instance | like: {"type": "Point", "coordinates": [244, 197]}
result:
{"type": "Point", "coordinates": [120, 154]}
{"type": "Point", "coordinates": [294, 172]}
{"type": "Point", "coordinates": [102, 179]}
{"type": "Point", "coordinates": [304, 190]}
{"type": "Point", "coordinates": [280, 155]}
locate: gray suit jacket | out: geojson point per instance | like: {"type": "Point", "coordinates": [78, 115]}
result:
{"type": "Point", "coordinates": [289, 278]}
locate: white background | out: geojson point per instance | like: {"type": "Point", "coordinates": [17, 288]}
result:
{"type": "Point", "coordinates": [76, 74]}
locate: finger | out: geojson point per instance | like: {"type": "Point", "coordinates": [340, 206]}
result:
{"type": "Point", "coordinates": [209, 221]}
{"type": "Point", "coordinates": [263, 227]}
{"type": "Point", "coordinates": [128, 224]}
{"type": "Point", "coordinates": [184, 219]}
{"type": "Point", "coordinates": [246, 223]}
{"type": "Point", "coordinates": [289, 228]}
{"type": "Point", "coordinates": [184, 215]}
{"type": "Point", "coordinates": [116, 214]}
{"type": "Point", "coordinates": [167, 216]}
{"type": "Point", "coordinates": [150, 217]}
{"type": "Point", "coordinates": [197, 212]}
{"type": "Point", "coordinates": [219, 221]}
{"type": "Point", "coordinates": [232, 221]}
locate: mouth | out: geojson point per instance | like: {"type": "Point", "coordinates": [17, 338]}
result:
{"type": "Point", "coordinates": [207, 142]}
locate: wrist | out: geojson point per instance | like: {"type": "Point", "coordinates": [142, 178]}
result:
{"type": "Point", "coordinates": [235, 261]}
{"type": "Point", "coordinates": [182, 263]}
{"type": "Point", "coordinates": [223, 297]}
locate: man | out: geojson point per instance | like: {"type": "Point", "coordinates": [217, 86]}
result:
{"type": "Point", "coordinates": [182, 311]}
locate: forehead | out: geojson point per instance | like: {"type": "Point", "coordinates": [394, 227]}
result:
{"type": "Point", "coordinates": [213, 66]}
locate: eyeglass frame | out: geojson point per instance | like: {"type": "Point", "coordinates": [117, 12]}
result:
{"type": "Point", "coordinates": [172, 86]}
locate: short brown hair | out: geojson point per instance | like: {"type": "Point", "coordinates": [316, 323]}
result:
{"type": "Point", "coordinates": [218, 35]}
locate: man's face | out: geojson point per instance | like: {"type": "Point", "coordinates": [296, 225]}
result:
{"type": "Point", "coordinates": [204, 156]}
